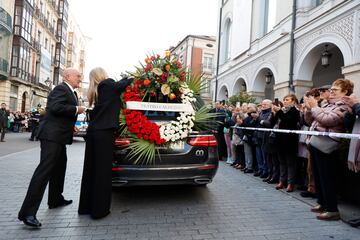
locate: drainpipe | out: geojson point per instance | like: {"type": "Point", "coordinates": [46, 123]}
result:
{"type": "Point", "coordinates": [218, 52]}
{"type": "Point", "coordinates": [292, 42]}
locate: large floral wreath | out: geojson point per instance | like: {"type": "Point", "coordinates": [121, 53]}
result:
{"type": "Point", "coordinates": [161, 79]}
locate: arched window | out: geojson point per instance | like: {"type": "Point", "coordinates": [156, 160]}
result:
{"type": "Point", "coordinates": [269, 13]}
{"type": "Point", "coordinates": [226, 41]}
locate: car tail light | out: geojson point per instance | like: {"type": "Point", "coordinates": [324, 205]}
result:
{"type": "Point", "coordinates": [203, 141]}
{"type": "Point", "coordinates": [117, 168]}
{"type": "Point", "coordinates": [122, 142]}
{"type": "Point", "coordinates": [207, 167]}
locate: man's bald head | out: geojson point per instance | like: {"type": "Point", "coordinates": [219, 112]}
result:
{"type": "Point", "coordinates": [73, 77]}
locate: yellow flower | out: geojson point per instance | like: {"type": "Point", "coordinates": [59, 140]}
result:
{"type": "Point", "coordinates": [167, 67]}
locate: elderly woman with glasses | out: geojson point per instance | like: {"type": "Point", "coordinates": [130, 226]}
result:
{"type": "Point", "coordinates": [327, 118]}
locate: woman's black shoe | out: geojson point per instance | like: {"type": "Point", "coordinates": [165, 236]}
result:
{"type": "Point", "coordinates": [273, 181]}
{"type": "Point", "coordinates": [307, 194]}
{"type": "Point", "coordinates": [266, 179]}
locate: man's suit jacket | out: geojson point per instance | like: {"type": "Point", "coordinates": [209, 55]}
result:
{"type": "Point", "coordinates": [60, 117]}
{"type": "Point", "coordinates": [3, 118]}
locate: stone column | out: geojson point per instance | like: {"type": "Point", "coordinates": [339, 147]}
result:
{"type": "Point", "coordinates": [301, 87]}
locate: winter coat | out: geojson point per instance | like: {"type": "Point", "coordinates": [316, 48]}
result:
{"type": "Point", "coordinates": [288, 120]}
{"type": "Point", "coordinates": [329, 118]}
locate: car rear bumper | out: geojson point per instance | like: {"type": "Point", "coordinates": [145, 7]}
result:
{"type": "Point", "coordinates": [163, 175]}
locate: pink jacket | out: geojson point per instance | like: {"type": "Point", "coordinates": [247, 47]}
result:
{"type": "Point", "coordinates": [328, 118]}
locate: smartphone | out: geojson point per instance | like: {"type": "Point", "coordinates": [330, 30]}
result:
{"type": "Point", "coordinates": [276, 102]}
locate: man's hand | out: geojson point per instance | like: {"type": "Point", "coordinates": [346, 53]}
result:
{"type": "Point", "coordinates": [80, 109]}
{"type": "Point", "coordinates": [76, 129]}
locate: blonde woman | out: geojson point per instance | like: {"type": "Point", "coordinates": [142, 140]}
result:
{"type": "Point", "coordinates": [104, 95]}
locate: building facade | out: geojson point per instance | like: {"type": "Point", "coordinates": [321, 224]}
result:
{"type": "Point", "coordinates": [197, 53]}
{"type": "Point", "coordinates": [75, 49]}
{"type": "Point", "coordinates": [270, 48]}
{"type": "Point", "coordinates": [6, 33]}
{"type": "Point", "coordinates": [37, 52]}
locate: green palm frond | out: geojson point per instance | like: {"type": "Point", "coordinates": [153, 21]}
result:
{"type": "Point", "coordinates": [197, 83]}
{"type": "Point", "coordinates": [204, 119]}
{"type": "Point", "coordinates": [122, 126]}
{"type": "Point", "coordinates": [141, 151]}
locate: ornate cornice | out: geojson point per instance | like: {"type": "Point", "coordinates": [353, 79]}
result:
{"type": "Point", "coordinates": [343, 28]}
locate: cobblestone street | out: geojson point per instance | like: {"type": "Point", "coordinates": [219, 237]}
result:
{"type": "Point", "coordinates": [234, 206]}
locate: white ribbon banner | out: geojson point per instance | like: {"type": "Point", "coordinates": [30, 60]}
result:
{"type": "Point", "coordinates": [163, 107]}
{"type": "Point", "coordinates": [316, 133]}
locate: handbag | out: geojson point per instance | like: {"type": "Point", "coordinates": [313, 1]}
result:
{"type": "Point", "coordinates": [324, 144]}
{"type": "Point", "coordinates": [236, 140]}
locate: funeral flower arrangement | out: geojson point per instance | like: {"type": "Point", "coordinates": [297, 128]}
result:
{"type": "Point", "coordinates": [161, 80]}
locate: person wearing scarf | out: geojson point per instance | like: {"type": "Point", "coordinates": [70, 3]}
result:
{"type": "Point", "coordinates": [287, 144]}
{"type": "Point", "coordinates": [327, 118]}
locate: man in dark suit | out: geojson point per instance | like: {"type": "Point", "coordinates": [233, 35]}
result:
{"type": "Point", "coordinates": [55, 131]}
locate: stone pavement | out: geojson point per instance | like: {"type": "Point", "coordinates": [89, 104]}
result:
{"type": "Point", "coordinates": [16, 142]}
{"type": "Point", "coordinates": [234, 206]}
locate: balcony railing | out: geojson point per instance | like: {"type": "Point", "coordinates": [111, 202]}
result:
{"type": "Point", "coordinates": [54, 4]}
{"type": "Point", "coordinates": [42, 18]}
{"type": "Point", "coordinates": [34, 79]}
{"type": "Point", "coordinates": [36, 45]}
{"type": "Point", "coordinates": [5, 21]}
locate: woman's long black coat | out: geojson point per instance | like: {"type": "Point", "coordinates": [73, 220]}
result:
{"type": "Point", "coordinates": [95, 194]}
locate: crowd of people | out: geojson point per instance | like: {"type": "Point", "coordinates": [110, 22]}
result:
{"type": "Point", "coordinates": [17, 122]}
{"type": "Point", "coordinates": [288, 160]}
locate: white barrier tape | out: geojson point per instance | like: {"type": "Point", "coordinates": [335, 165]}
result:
{"type": "Point", "coordinates": [316, 133]}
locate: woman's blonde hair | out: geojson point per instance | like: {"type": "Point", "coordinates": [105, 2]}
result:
{"type": "Point", "coordinates": [96, 76]}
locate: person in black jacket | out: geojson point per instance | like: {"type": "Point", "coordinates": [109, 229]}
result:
{"type": "Point", "coordinates": [287, 144]}
{"type": "Point", "coordinates": [55, 131]}
{"type": "Point", "coordinates": [104, 93]}
{"type": "Point", "coordinates": [4, 114]}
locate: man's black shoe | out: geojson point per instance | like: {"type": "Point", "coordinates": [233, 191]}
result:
{"type": "Point", "coordinates": [355, 223]}
{"type": "Point", "coordinates": [248, 171]}
{"type": "Point", "coordinates": [257, 174]}
{"type": "Point", "coordinates": [307, 194]}
{"type": "Point", "coordinates": [30, 221]}
{"type": "Point", "coordinates": [62, 203]}
{"type": "Point", "coordinates": [31, 139]}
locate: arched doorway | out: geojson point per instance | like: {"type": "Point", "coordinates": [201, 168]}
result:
{"type": "Point", "coordinates": [309, 65]}
{"type": "Point", "coordinates": [324, 75]}
{"type": "Point", "coordinates": [223, 93]}
{"type": "Point", "coordinates": [239, 86]}
{"type": "Point", "coordinates": [264, 82]}
{"type": "Point", "coordinates": [23, 102]}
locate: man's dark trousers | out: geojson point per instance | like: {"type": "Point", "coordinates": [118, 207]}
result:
{"type": "Point", "coordinates": [51, 170]}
